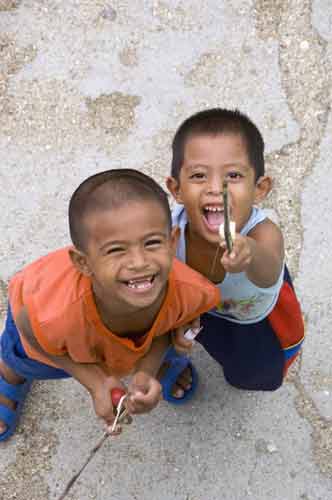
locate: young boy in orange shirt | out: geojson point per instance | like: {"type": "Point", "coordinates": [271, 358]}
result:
{"type": "Point", "coordinates": [257, 330]}
{"type": "Point", "coordinates": [103, 308]}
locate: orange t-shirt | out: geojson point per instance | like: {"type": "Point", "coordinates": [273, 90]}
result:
{"type": "Point", "coordinates": [64, 318]}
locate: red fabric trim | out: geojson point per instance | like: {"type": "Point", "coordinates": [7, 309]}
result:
{"type": "Point", "coordinates": [286, 318]}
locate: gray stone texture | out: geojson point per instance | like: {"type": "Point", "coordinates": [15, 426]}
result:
{"type": "Point", "coordinates": [89, 85]}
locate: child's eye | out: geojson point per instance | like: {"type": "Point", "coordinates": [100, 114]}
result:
{"type": "Point", "coordinates": [114, 250]}
{"type": "Point", "coordinates": [234, 175]}
{"type": "Point", "coordinates": [153, 242]}
{"type": "Point", "coordinates": [197, 175]}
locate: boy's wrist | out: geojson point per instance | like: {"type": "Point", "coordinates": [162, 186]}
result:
{"type": "Point", "coordinates": [93, 379]}
{"type": "Point", "coordinates": [152, 361]}
{"type": "Point", "coordinates": [146, 370]}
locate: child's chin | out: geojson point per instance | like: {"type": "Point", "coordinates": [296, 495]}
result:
{"type": "Point", "coordinates": [211, 233]}
{"type": "Point", "coordinates": [138, 305]}
{"type": "Point", "coordinates": [141, 299]}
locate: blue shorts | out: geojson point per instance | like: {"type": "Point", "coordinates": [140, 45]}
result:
{"type": "Point", "coordinates": [256, 356]}
{"type": "Point", "coordinates": [13, 354]}
{"type": "Point", "coordinates": [251, 355]}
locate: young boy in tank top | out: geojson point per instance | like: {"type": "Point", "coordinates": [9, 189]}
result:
{"type": "Point", "coordinates": [257, 330]}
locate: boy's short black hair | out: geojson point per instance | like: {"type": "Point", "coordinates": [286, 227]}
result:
{"type": "Point", "coordinates": [111, 189]}
{"type": "Point", "coordinates": [219, 121]}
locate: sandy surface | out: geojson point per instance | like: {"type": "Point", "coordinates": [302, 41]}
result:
{"type": "Point", "coordinates": [89, 85]}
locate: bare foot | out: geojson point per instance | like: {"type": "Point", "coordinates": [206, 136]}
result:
{"type": "Point", "coordinates": [183, 382]}
{"type": "Point", "coordinates": [11, 378]}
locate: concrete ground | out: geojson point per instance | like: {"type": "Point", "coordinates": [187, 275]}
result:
{"type": "Point", "coordinates": [88, 85]}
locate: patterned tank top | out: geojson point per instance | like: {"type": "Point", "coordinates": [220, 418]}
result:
{"type": "Point", "coordinates": [242, 301]}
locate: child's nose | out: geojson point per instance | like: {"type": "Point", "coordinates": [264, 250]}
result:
{"type": "Point", "coordinates": [137, 259]}
{"type": "Point", "coordinates": [215, 185]}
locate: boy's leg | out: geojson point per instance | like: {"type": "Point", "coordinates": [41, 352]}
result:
{"type": "Point", "coordinates": [16, 367]}
{"type": "Point", "coordinates": [256, 356]}
{"type": "Point", "coordinates": [251, 355]}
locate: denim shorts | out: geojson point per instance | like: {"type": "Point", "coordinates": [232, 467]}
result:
{"type": "Point", "coordinates": [14, 355]}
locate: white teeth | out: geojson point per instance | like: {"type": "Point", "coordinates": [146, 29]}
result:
{"type": "Point", "coordinates": [133, 282]}
{"type": "Point", "coordinates": [213, 209]}
{"type": "Point", "coordinates": [139, 286]}
{"type": "Point", "coordinates": [142, 283]}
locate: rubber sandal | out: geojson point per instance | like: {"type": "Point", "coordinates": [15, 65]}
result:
{"type": "Point", "coordinates": [16, 393]}
{"type": "Point", "coordinates": [178, 363]}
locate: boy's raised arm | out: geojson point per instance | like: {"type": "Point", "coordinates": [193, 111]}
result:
{"type": "Point", "coordinates": [267, 254]}
{"type": "Point", "coordinates": [260, 255]}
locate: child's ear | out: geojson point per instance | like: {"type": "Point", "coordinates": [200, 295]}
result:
{"type": "Point", "coordinates": [262, 188]}
{"type": "Point", "coordinates": [80, 261]}
{"type": "Point", "coordinates": [175, 234]}
{"type": "Point", "coordinates": [173, 187]}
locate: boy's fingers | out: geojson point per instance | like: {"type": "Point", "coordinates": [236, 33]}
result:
{"type": "Point", "coordinates": [117, 430]}
{"type": "Point", "coordinates": [196, 323]}
{"type": "Point", "coordinates": [179, 338]}
{"type": "Point", "coordinates": [108, 417]}
{"type": "Point", "coordinates": [141, 402]}
{"type": "Point", "coordinates": [135, 406]}
{"type": "Point", "coordinates": [180, 335]}
{"type": "Point", "coordinates": [179, 332]}
{"type": "Point", "coordinates": [235, 253]}
{"type": "Point", "coordinates": [184, 343]}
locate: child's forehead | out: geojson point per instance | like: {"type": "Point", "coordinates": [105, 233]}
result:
{"type": "Point", "coordinates": [132, 216]}
{"type": "Point", "coordinates": [222, 143]}
{"type": "Point", "coordinates": [225, 136]}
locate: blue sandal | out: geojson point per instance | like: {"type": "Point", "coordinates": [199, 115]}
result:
{"type": "Point", "coordinates": [16, 393]}
{"type": "Point", "coordinates": [178, 363]}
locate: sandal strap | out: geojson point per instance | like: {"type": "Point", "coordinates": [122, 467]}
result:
{"type": "Point", "coordinates": [11, 391]}
{"type": "Point", "coordinates": [178, 363]}
{"type": "Point", "coordinates": [7, 415]}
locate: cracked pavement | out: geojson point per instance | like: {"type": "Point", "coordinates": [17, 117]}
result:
{"type": "Point", "coordinates": [88, 85]}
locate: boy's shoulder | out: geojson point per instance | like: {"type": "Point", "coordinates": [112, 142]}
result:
{"type": "Point", "coordinates": [51, 282]}
{"type": "Point", "coordinates": [60, 255]}
{"type": "Point", "coordinates": [52, 266]}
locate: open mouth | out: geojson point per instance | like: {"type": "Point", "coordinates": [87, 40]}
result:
{"type": "Point", "coordinates": [141, 284]}
{"type": "Point", "coordinates": [213, 216]}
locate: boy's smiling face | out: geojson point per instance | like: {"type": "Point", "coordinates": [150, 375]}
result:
{"type": "Point", "coordinates": [208, 161]}
{"type": "Point", "coordinates": [128, 256]}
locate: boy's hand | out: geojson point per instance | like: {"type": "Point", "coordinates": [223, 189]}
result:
{"type": "Point", "coordinates": [240, 257]}
{"type": "Point", "coordinates": [144, 393]}
{"type": "Point", "coordinates": [180, 343]}
{"type": "Point", "coordinates": [102, 401]}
